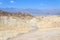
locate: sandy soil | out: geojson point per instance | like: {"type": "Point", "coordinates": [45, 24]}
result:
{"type": "Point", "coordinates": [37, 28]}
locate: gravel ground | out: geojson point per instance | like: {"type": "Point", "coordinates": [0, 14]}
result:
{"type": "Point", "coordinates": [46, 35]}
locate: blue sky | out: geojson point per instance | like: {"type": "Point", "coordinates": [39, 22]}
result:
{"type": "Point", "coordinates": [33, 4]}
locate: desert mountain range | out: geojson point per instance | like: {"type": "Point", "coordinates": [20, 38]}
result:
{"type": "Point", "coordinates": [34, 11]}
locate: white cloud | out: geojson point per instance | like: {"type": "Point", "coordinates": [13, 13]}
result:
{"type": "Point", "coordinates": [1, 3]}
{"type": "Point", "coordinates": [11, 1]}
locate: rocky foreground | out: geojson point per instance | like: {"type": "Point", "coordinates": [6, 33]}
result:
{"type": "Point", "coordinates": [19, 26]}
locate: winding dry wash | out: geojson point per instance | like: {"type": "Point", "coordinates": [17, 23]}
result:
{"type": "Point", "coordinates": [18, 26]}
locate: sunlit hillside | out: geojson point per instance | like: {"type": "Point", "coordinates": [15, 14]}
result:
{"type": "Point", "coordinates": [14, 24]}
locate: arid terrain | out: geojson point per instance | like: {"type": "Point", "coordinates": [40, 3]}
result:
{"type": "Point", "coordinates": [23, 26]}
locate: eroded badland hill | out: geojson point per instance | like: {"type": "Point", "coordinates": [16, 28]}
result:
{"type": "Point", "coordinates": [13, 24]}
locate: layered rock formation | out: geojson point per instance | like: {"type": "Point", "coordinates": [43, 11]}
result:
{"type": "Point", "coordinates": [13, 23]}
